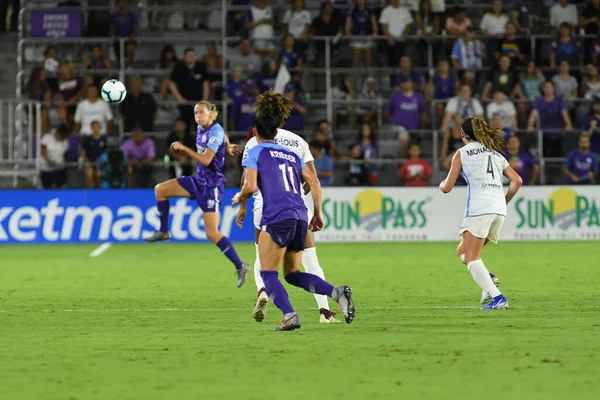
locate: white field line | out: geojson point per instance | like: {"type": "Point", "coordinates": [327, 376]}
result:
{"type": "Point", "coordinates": [159, 310]}
{"type": "Point", "coordinates": [101, 249]}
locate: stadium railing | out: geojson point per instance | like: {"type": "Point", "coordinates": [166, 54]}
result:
{"type": "Point", "coordinates": [20, 138]}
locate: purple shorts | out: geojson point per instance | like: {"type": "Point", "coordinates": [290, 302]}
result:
{"type": "Point", "coordinates": [208, 198]}
{"type": "Point", "coordinates": [290, 233]}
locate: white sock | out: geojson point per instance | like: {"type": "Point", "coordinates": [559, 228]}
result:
{"type": "Point", "coordinates": [481, 276]}
{"type": "Point", "coordinates": [462, 258]}
{"type": "Point", "coordinates": [311, 265]}
{"type": "Point", "coordinates": [257, 278]}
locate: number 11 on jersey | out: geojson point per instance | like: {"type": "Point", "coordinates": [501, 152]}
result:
{"type": "Point", "coordinates": [287, 181]}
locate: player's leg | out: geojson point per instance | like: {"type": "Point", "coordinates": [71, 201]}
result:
{"type": "Point", "coordinates": [486, 298]}
{"type": "Point", "coordinates": [163, 192]}
{"type": "Point", "coordinates": [313, 283]}
{"type": "Point", "coordinates": [310, 262]}
{"type": "Point", "coordinates": [211, 226]}
{"type": "Point", "coordinates": [259, 312]}
{"type": "Point", "coordinates": [271, 251]}
{"type": "Point", "coordinates": [473, 243]}
{"type": "Point", "coordinates": [257, 216]}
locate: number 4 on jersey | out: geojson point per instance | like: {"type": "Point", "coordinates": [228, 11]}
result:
{"type": "Point", "coordinates": [490, 167]}
{"type": "Point", "coordinates": [287, 182]}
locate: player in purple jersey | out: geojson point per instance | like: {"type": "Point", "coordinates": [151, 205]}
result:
{"type": "Point", "coordinates": [206, 187]}
{"type": "Point", "coordinates": [277, 172]}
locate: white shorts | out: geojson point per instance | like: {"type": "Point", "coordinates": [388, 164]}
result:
{"type": "Point", "coordinates": [257, 211]}
{"type": "Point", "coordinates": [366, 43]}
{"type": "Point", "coordinates": [264, 45]}
{"type": "Point", "coordinates": [485, 226]}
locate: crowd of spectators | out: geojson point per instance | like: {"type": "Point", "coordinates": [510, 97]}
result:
{"type": "Point", "coordinates": [484, 67]}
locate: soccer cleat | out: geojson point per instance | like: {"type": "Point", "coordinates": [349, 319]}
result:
{"type": "Point", "coordinates": [327, 317]}
{"type": "Point", "coordinates": [158, 236]}
{"type": "Point", "coordinates": [495, 279]}
{"type": "Point", "coordinates": [242, 274]}
{"type": "Point", "coordinates": [498, 303]}
{"type": "Point", "coordinates": [343, 296]}
{"type": "Point", "coordinates": [260, 308]}
{"type": "Point", "coordinates": [289, 323]}
{"type": "Point", "coordinates": [486, 298]}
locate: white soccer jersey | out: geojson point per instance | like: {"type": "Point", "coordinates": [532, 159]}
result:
{"type": "Point", "coordinates": [483, 170]}
{"type": "Point", "coordinates": [292, 142]}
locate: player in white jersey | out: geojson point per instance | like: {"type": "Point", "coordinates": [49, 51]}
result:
{"type": "Point", "coordinates": [310, 261]}
{"type": "Point", "coordinates": [482, 166]}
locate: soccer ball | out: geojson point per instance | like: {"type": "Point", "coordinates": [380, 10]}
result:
{"type": "Point", "coordinates": [113, 91]}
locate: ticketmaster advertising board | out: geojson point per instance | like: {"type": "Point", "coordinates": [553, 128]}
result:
{"type": "Point", "coordinates": [351, 215]}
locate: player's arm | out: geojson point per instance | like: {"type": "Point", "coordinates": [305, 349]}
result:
{"type": "Point", "coordinates": [215, 140]}
{"type": "Point", "coordinates": [448, 184]}
{"type": "Point", "coordinates": [232, 149]}
{"type": "Point", "coordinates": [315, 189]}
{"type": "Point", "coordinates": [515, 183]}
{"type": "Point", "coordinates": [249, 185]}
{"type": "Point", "coordinates": [242, 181]}
{"type": "Point", "coordinates": [204, 159]}
{"type": "Point", "coordinates": [305, 185]}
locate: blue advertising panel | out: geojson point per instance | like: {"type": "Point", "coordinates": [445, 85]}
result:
{"type": "Point", "coordinates": [92, 216]}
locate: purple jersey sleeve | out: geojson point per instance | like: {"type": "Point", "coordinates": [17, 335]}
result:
{"type": "Point", "coordinates": [215, 139]}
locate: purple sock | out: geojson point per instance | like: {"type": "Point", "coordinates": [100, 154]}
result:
{"type": "Point", "coordinates": [229, 251]}
{"type": "Point", "coordinates": [309, 282]}
{"type": "Point", "coordinates": [276, 291]}
{"type": "Point", "coordinates": [163, 213]}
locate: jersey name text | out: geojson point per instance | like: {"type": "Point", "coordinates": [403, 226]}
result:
{"type": "Point", "coordinates": [278, 154]}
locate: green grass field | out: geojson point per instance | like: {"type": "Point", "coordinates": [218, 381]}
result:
{"type": "Point", "coordinates": [166, 322]}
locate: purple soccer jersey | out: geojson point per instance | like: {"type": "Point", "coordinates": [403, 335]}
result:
{"type": "Point", "coordinates": [212, 138]}
{"type": "Point", "coordinates": [207, 186]}
{"type": "Point", "coordinates": [361, 21]}
{"type": "Point", "coordinates": [581, 164]}
{"type": "Point", "coordinates": [406, 111]}
{"type": "Point", "coordinates": [243, 112]}
{"type": "Point", "coordinates": [550, 114]}
{"type": "Point", "coordinates": [279, 180]}
{"type": "Point", "coordinates": [444, 88]}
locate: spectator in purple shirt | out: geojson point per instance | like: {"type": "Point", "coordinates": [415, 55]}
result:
{"type": "Point", "coordinates": [361, 24]}
{"type": "Point", "coordinates": [581, 166]}
{"type": "Point", "coordinates": [406, 71]}
{"type": "Point", "coordinates": [442, 85]}
{"type": "Point", "coordinates": [552, 113]}
{"type": "Point", "coordinates": [267, 77]}
{"type": "Point", "coordinates": [140, 152]}
{"type": "Point", "coordinates": [123, 24]}
{"type": "Point", "coordinates": [243, 112]}
{"type": "Point", "coordinates": [406, 109]}
{"type": "Point", "coordinates": [295, 122]}
{"type": "Point", "coordinates": [521, 161]}
{"type": "Point", "coordinates": [234, 88]}
{"type": "Point", "coordinates": [592, 128]}
{"type": "Point", "coordinates": [566, 48]}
